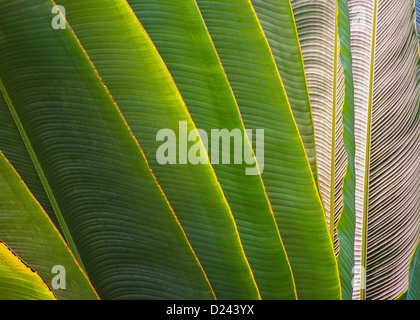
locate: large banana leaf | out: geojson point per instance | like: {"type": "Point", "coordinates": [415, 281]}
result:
{"type": "Point", "coordinates": [387, 93]}
{"type": "Point", "coordinates": [195, 66]}
{"type": "Point", "coordinates": [113, 213]}
{"type": "Point", "coordinates": [18, 281]}
{"type": "Point", "coordinates": [324, 30]}
{"type": "Point", "coordinates": [251, 70]}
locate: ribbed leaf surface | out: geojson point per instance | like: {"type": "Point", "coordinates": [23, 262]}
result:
{"type": "Point", "coordinates": [114, 216]}
{"type": "Point", "coordinates": [318, 34]}
{"type": "Point", "coordinates": [18, 281]}
{"type": "Point", "coordinates": [413, 291]}
{"type": "Point", "coordinates": [13, 147]}
{"type": "Point", "coordinates": [387, 96]}
{"type": "Point", "coordinates": [324, 31]}
{"type": "Point", "coordinates": [347, 223]}
{"type": "Point", "coordinates": [180, 35]}
{"type": "Point", "coordinates": [278, 23]}
{"type": "Point", "coordinates": [148, 99]}
{"type": "Point", "coordinates": [252, 73]}
{"type": "Point", "coordinates": [30, 233]}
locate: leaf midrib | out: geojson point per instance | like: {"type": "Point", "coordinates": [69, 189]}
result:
{"type": "Point", "coordinates": [315, 174]}
{"type": "Point", "coordinates": [333, 133]}
{"type": "Point", "coordinates": [367, 157]}
{"type": "Point", "coordinates": [42, 176]}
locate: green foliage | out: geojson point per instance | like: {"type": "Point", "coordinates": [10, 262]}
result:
{"type": "Point", "coordinates": [88, 88]}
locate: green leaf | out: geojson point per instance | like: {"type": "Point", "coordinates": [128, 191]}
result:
{"type": "Point", "coordinates": [262, 101]}
{"type": "Point", "coordinates": [278, 23]}
{"type": "Point", "coordinates": [18, 281]}
{"type": "Point", "coordinates": [30, 233]}
{"type": "Point", "coordinates": [347, 222]}
{"type": "Point", "coordinates": [113, 213]}
{"type": "Point", "coordinates": [194, 64]}
{"type": "Point", "coordinates": [413, 291]}
{"type": "Point", "coordinates": [387, 130]}
{"type": "Point", "coordinates": [14, 149]}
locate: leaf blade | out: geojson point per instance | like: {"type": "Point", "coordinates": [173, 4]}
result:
{"type": "Point", "coordinates": [18, 281]}
{"type": "Point", "coordinates": [413, 291]}
{"type": "Point", "coordinates": [278, 23]}
{"type": "Point", "coordinates": [29, 231]}
{"type": "Point", "coordinates": [382, 147]}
